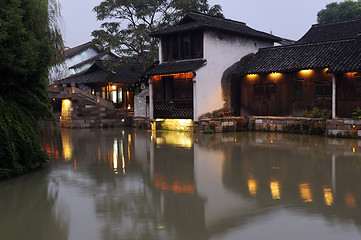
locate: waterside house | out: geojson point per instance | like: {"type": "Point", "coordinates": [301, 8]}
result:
{"type": "Point", "coordinates": [93, 93]}
{"type": "Point", "coordinates": [322, 69]}
{"type": "Point", "coordinates": [194, 53]}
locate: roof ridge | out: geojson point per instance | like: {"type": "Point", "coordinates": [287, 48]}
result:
{"type": "Point", "coordinates": [305, 44]}
{"type": "Point", "coordinates": [337, 22]}
{"type": "Point", "coordinates": [215, 17]}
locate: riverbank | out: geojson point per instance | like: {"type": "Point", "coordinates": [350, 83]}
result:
{"type": "Point", "coordinates": [347, 128]}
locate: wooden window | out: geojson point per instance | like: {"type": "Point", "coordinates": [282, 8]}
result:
{"type": "Point", "coordinates": [183, 89]}
{"type": "Point", "coordinates": [264, 91]}
{"type": "Point", "coordinates": [188, 45]}
{"type": "Point", "coordinates": [157, 89]}
{"type": "Point", "coordinates": [167, 48]}
{"type": "Point", "coordinates": [358, 87]}
{"type": "Point", "coordinates": [168, 86]}
{"type": "Point", "coordinates": [323, 89]}
{"type": "Point", "coordinates": [297, 89]}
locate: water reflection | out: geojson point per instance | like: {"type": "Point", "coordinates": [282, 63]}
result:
{"type": "Point", "coordinates": [30, 208]}
{"type": "Point", "coordinates": [131, 184]}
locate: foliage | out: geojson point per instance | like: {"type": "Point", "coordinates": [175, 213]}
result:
{"type": "Point", "coordinates": [28, 38]}
{"type": "Point", "coordinates": [340, 11]}
{"type": "Point", "coordinates": [20, 148]}
{"type": "Point", "coordinates": [357, 114]}
{"type": "Point", "coordinates": [317, 113]}
{"type": "Point", "coordinates": [130, 23]}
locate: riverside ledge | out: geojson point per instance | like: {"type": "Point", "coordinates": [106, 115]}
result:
{"type": "Point", "coordinates": [347, 128]}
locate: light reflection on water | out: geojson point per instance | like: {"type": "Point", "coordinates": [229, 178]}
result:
{"type": "Point", "coordinates": [131, 184]}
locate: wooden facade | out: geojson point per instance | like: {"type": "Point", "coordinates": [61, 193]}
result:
{"type": "Point", "coordinates": [290, 94]}
{"type": "Point", "coordinates": [173, 96]}
{"type": "Point", "coordinates": [348, 93]}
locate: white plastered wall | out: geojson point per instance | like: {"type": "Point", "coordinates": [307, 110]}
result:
{"type": "Point", "coordinates": [220, 51]}
{"type": "Point", "coordinates": [63, 70]}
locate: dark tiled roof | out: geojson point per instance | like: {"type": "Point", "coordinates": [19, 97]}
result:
{"type": "Point", "coordinates": [93, 59]}
{"type": "Point", "coordinates": [71, 52]}
{"type": "Point", "coordinates": [337, 56]}
{"type": "Point", "coordinates": [177, 67]}
{"type": "Point", "coordinates": [194, 21]}
{"type": "Point", "coordinates": [332, 32]}
{"type": "Point", "coordinates": [98, 73]}
{"type": "Point", "coordinates": [350, 61]}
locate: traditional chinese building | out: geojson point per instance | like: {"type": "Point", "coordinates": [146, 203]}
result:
{"type": "Point", "coordinates": [193, 55]}
{"type": "Point", "coordinates": [323, 70]}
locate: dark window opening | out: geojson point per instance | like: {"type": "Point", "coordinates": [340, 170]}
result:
{"type": "Point", "coordinates": [323, 89]}
{"type": "Point", "coordinates": [183, 89]}
{"type": "Point", "coordinates": [264, 91]}
{"type": "Point", "coordinates": [182, 46]}
{"type": "Point", "coordinates": [358, 87]}
{"type": "Point", "coordinates": [168, 88]}
{"type": "Point", "coordinates": [297, 90]}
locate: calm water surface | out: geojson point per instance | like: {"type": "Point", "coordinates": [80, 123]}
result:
{"type": "Point", "coordinates": [129, 184]}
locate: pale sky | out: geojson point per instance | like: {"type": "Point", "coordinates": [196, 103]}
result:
{"type": "Point", "coordinates": [285, 18]}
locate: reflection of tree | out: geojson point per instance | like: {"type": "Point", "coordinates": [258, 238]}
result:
{"type": "Point", "coordinates": [29, 209]}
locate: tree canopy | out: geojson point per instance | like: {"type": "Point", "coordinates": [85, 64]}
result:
{"type": "Point", "coordinates": [128, 23]}
{"type": "Point", "coordinates": [340, 11]}
{"type": "Point", "coordinates": [28, 39]}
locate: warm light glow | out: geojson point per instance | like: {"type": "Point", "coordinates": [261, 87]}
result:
{"type": "Point", "coordinates": [176, 139]}
{"type": "Point", "coordinates": [115, 156]}
{"type": "Point", "coordinates": [351, 74]}
{"type": "Point", "coordinates": [275, 190]}
{"type": "Point", "coordinates": [66, 113]}
{"type": "Point", "coordinates": [72, 90]}
{"type": "Point", "coordinates": [174, 185]}
{"type": "Point", "coordinates": [350, 200]}
{"type": "Point", "coordinates": [306, 71]}
{"type": "Point", "coordinates": [328, 196]}
{"type": "Point", "coordinates": [175, 75]}
{"type": "Point", "coordinates": [123, 164]}
{"type": "Point", "coordinates": [252, 186]}
{"type": "Point", "coordinates": [271, 141]}
{"type": "Point", "coordinates": [252, 75]}
{"type": "Point", "coordinates": [305, 192]}
{"type": "Point", "coordinates": [275, 75]}
{"type": "Point", "coordinates": [114, 87]}
{"type": "Point", "coordinates": [66, 139]}
{"type": "Point", "coordinates": [178, 124]}
{"type": "Point", "coordinates": [354, 150]}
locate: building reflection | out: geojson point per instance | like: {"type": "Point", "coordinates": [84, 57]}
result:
{"type": "Point", "coordinates": [317, 175]}
{"type": "Point", "coordinates": [196, 186]}
{"type": "Point", "coordinates": [173, 174]}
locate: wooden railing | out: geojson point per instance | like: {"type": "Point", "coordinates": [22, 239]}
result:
{"type": "Point", "coordinates": [173, 110]}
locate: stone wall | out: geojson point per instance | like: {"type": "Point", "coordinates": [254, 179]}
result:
{"type": "Point", "coordinates": [315, 126]}
{"type": "Point", "coordinates": [86, 114]}
{"type": "Point", "coordinates": [344, 128]}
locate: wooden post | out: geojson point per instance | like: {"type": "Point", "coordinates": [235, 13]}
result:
{"type": "Point", "coordinates": [151, 107]}
{"type": "Point", "coordinates": [334, 96]}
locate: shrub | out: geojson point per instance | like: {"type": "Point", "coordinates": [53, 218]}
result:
{"type": "Point", "coordinates": [357, 114]}
{"type": "Point", "coordinates": [317, 113]}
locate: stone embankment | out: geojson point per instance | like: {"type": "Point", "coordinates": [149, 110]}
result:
{"type": "Point", "coordinates": [314, 126]}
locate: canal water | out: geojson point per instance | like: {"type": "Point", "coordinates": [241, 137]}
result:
{"type": "Point", "coordinates": [131, 184]}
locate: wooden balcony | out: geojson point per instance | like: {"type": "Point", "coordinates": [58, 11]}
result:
{"type": "Point", "coordinates": [173, 110]}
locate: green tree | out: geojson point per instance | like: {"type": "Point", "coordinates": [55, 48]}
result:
{"type": "Point", "coordinates": [340, 11]}
{"type": "Point", "coordinates": [28, 42]}
{"type": "Point", "coordinates": [131, 22]}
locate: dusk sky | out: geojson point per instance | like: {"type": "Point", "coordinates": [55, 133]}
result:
{"type": "Point", "coordinates": [284, 18]}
